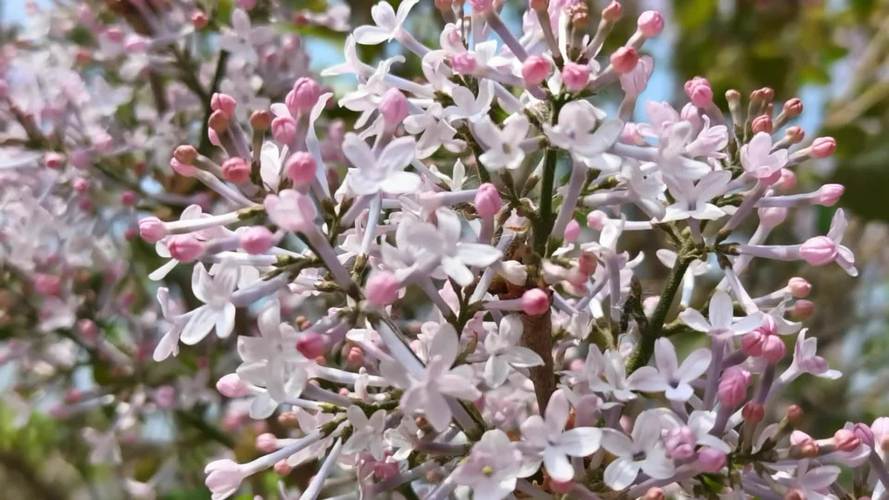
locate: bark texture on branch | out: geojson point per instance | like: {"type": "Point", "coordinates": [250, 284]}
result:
{"type": "Point", "coordinates": [537, 335]}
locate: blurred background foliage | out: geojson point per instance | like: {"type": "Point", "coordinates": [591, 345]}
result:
{"type": "Point", "coordinates": [834, 54]}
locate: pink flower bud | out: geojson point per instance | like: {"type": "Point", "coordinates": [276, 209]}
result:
{"type": "Point", "coordinates": [799, 288]}
{"type": "Point", "coordinates": [733, 386]}
{"type": "Point", "coordinates": [487, 201]}
{"type": "Point", "coordinates": [301, 168]}
{"type": "Point", "coordinates": [818, 251]}
{"type": "Point", "coordinates": [282, 468]}
{"type": "Point", "coordinates": [624, 59]}
{"type": "Point", "coordinates": [199, 19]}
{"type": "Point", "coordinates": [572, 231]}
{"type": "Point", "coordinates": [751, 342]}
{"type": "Point", "coordinates": [152, 229]}
{"type": "Point", "coordinates": [384, 470]}
{"type": "Point", "coordinates": [787, 182]}
{"type": "Point", "coordinates": [54, 160]}
{"type": "Point", "coordinates": [47, 284]}
{"type": "Point", "coordinates": [561, 487]}
{"type": "Point", "coordinates": [183, 169]}
{"type": "Point", "coordinates": [794, 494]}
{"type": "Point", "coordinates": [845, 440]}
{"type": "Point", "coordinates": [773, 349]}
{"type": "Point", "coordinates": [311, 345]}
{"type": "Point", "coordinates": [81, 185]}
{"type": "Point", "coordinates": [575, 76]}
{"type": "Point", "coordinates": [710, 460]}
{"type": "Point", "coordinates": [829, 194]}
{"type": "Point", "coordinates": [284, 129]}
{"type": "Point", "coordinates": [260, 121]}
{"type": "Point", "coordinates": [231, 386]}
{"type": "Point", "coordinates": [266, 442]}
{"type": "Point", "coordinates": [185, 248]}
{"type": "Point", "coordinates": [587, 263]}
{"type": "Point", "coordinates": [795, 134]}
{"type": "Point", "coordinates": [650, 23]}
{"type": "Point", "coordinates": [794, 414]}
{"type": "Point", "coordinates": [394, 108]}
{"type": "Point", "coordinates": [762, 123]}
{"type": "Point", "coordinates": [464, 63]}
{"type": "Point", "coordinates": [236, 170]}
{"type": "Point", "coordinates": [612, 11]}
{"type": "Point", "coordinates": [771, 217]}
{"type": "Point", "coordinates": [535, 302]}
{"type": "Point", "coordinates": [382, 288]}
{"type": "Point", "coordinates": [247, 4]}
{"type": "Point", "coordinates": [822, 147]}
{"type": "Point", "coordinates": [185, 154]}
{"type": "Point", "coordinates": [654, 493]}
{"type": "Point", "coordinates": [802, 309]}
{"type": "Point", "coordinates": [679, 443]}
{"type": "Point", "coordinates": [256, 240]}
{"type": "Point", "coordinates": [535, 70]}
{"type": "Point", "coordinates": [699, 91]}
{"type": "Point", "coordinates": [753, 412]}
{"type": "Point", "coordinates": [481, 6]}
{"type": "Point", "coordinates": [224, 103]}
{"type": "Point", "coordinates": [303, 96]}
{"type": "Point", "coordinates": [793, 107]}
{"type": "Point", "coordinates": [355, 357]}
{"type": "Point", "coordinates": [596, 220]}
{"type": "Point", "coordinates": [864, 434]}
{"type": "Point", "coordinates": [218, 121]}
{"type": "Point", "coordinates": [128, 198]}
{"type": "Point", "coordinates": [88, 330]}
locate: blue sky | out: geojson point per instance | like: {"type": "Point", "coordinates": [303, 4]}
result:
{"type": "Point", "coordinates": [14, 10]}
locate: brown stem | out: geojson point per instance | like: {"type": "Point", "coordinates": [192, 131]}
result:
{"type": "Point", "coordinates": [537, 335]}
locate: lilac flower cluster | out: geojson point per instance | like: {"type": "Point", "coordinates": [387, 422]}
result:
{"type": "Point", "coordinates": [442, 296]}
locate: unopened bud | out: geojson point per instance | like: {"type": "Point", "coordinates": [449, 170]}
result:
{"type": "Point", "coordinates": [822, 147]}
{"type": "Point", "coordinates": [535, 302]}
{"type": "Point", "coordinates": [185, 154]}
{"type": "Point", "coordinates": [260, 121]}
{"type": "Point", "coordinates": [624, 59]}
{"type": "Point", "coordinates": [236, 170]}
{"type": "Point", "coordinates": [762, 123]}
{"type": "Point", "coordinates": [650, 23]}
{"type": "Point", "coordinates": [612, 12]}
{"type": "Point", "coordinates": [793, 107]}
{"type": "Point", "coordinates": [218, 121]}
{"type": "Point", "coordinates": [795, 135]}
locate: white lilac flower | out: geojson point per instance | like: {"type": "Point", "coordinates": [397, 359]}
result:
{"type": "Point", "coordinates": [241, 41]}
{"type": "Point", "coordinates": [218, 311]}
{"type": "Point", "coordinates": [759, 159]}
{"type": "Point", "coordinates": [427, 394]}
{"type": "Point", "coordinates": [383, 172]}
{"type": "Point", "coordinates": [272, 362]}
{"type": "Point", "coordinates": [504, 353]}
{"type": "Point", "coordinates": [642, 451]}
{"type": "Point", "coordinates": [693, 200]}
{"type": "Point", "coordinates": [668, 376]}
{"type": "Point", "coordinates": [492, 468]}
{"type": "Point", "coordinates": [583, 130]}
{"type": "Point", "coordinates": [467, 106]}
{"type": "Point", "coordinates": [367, 433]}
{"type": "Point", "coordinates": [502, 146]}
{"type": "Point", "coordinates": [722, 322]}
{"type": "Point", "coordinates": [388, 23]}
{"type": "Point", "coordinates": [547, 441]}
